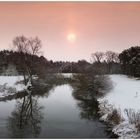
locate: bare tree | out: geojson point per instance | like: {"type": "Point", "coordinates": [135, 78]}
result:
{"type": "Point", "coordinates": [34, 46]}
{"type": "Point", "coordinates": [27, 46]}
{"type": "Point", "coordinates": [21, 43]}
{"type": "Point", "coordinates": [97, 56]}
{"type": "Point", "coordinates": [111, 56]}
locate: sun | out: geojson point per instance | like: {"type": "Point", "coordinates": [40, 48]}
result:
{"type": "Point", "coordinates": [71, 37]}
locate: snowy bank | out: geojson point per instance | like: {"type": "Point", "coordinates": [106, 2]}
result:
{"type": "Point", "coordinates": [67, 75]}
{"type": "Point", "coordinates": [10, 85]}
{"type": "Point", "coordinates": [125, 98]}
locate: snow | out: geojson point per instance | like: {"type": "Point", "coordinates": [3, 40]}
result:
{"type": "Point", "coordinates": [125, 94]}
{"type": "Point", "coordinates": [125, 130]}
{"type": "Point", "coordinates": [67, 75]}
{"type": "Point", "coordinates": [10, 84]}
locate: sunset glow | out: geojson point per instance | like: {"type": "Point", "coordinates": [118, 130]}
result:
{"type": "Point", "coordinates": [71, 37]}
{"type": "Point", "coordinates": [90, 26]}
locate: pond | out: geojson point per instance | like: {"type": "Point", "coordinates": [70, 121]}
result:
{"type": "Point", "coordinates": [56, 114]}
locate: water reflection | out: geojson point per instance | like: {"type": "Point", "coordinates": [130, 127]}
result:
{"type": "Point", "coordinates": [37, 116]}
{"type": "Point", "coordinates": [88, 106]}
{"type": "Point", "coordinates": [85, 94]}
{"type": "Point", "coordinates": [25, 120]}
{"type": "Point", "coordinates": [88, 109]}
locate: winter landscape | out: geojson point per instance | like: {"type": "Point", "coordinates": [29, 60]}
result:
{"type": "Point", "coordinates": [79, 77]}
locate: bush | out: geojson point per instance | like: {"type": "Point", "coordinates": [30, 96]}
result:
{"type": "Point", "coordinates": [114, 117]}
{"type": "Point", "coordinates": [103, 85]}
{"type": "Point", "coordinates": [133, 117]}
{"type": "Point", "coordinates": [90, 85]}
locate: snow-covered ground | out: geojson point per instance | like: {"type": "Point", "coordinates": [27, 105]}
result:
{"type": "Point", "coordinates": [125, 94]}
{"type": "Point", "coordinates": [67, 75]}
{"type": "Point", "coordinates": [10, 85]}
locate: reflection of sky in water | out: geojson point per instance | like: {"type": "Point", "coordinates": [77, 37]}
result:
{"type": "Point", "coordinates": [62, 119]}
{"type": "Point", "coordinates": [60, 105]}
{"type": "Point", "coordinates": [6, 108]}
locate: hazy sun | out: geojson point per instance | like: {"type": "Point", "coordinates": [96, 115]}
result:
{"type": "Point", "coordinates": [71, 37]}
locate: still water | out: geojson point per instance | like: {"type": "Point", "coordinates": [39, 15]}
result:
{"type": "Point", "coordinates": [56, 114]}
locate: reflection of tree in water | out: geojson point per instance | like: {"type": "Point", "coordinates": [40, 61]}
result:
{"type": "Point", "coordinates": [89, 109]}
{"type": "Point", "coordinates": [83, 93]}
{"type": "Point", "coordinates": [25, 121]}
{"type": "Point", "coordinates": [87, 87]}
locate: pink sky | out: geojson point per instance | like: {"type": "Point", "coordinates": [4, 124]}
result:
{"type": "Point", "coordinates": [99, 26]}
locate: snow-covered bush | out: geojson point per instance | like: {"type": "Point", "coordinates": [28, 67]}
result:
{"type": "Point", "coordinates": [6, 90]}
{"type": "Point", "coordinates": [109, 113]}
{"type": "Point", "coordinates": [124, 95]}
{"type": "Point", "coordinates": [11, 85]}
{"type": "Point", "coordinates": [114, 117]}
{"type": "Point", "coordinates": [133, 117]}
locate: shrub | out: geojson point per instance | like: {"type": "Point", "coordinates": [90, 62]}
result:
{"type": "Point", "coordinates": [133, 117]}
{"type": "Point", "coordinates": [114, 117]}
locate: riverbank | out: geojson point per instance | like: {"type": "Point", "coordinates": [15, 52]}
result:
{"type": "Point", "coordinates": [58, 115]}
{"type": "Point", "coordinates": [120, 107]}
{"type": "Point", "coordinates": [9, 85]}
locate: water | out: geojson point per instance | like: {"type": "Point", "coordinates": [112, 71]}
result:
{"type": "Point", "coordinates": [56, 114]}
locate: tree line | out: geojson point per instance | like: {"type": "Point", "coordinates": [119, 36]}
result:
{"type": "Point", "coordinates": [127, 62]}
{"type": "Point", "coordinates": [40, 64]}
{"type": "Point", "coordinates": [26, 59]}
{"type": "Point", "coordinates": [130, 61]}
{"type": "Point", "coordinates": [106, 62]}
